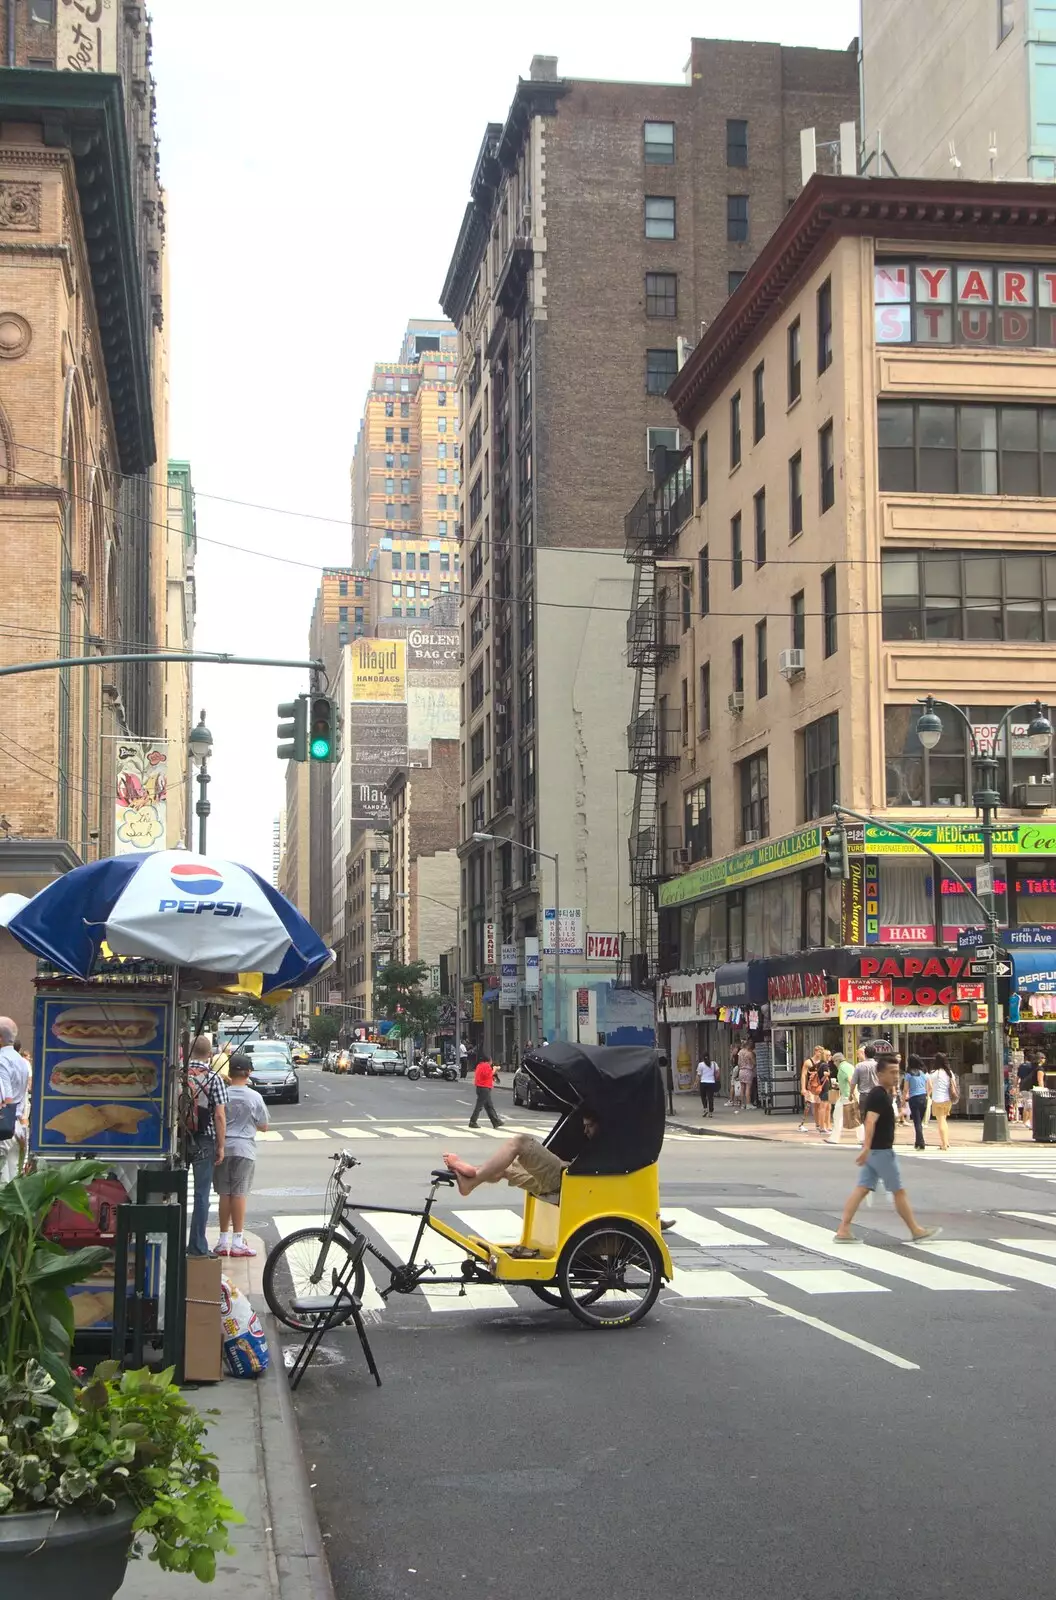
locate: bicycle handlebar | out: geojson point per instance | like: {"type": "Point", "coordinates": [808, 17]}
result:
{"type": "Point", "coordinates": [346, 1159]}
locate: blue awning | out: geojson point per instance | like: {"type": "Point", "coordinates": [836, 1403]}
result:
{"type": "Point", "coordinates": [1035, 971]}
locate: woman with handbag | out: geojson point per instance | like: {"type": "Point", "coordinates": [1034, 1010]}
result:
{"type": "Point", "coordinates": [944, 1090]}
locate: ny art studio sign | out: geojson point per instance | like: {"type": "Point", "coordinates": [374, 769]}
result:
{"type": "Point", "coordinates": [965, 303]}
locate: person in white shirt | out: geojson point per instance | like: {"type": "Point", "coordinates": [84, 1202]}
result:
{"type": "Point", "coordinates": [233, 1175]}
{"type": "Point", "coordinates": [707, 1078]}
{"type": "Point", "coordinates": [14, 1090]}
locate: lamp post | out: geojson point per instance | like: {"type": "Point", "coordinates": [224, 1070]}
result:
{"type": "Point", "coordinates": [494, 838]}
{"type": "Point", "coordinates": [200, 745]}
{"type": "Point", "coordinates": [986, 799]}
{"type": "Point", "coordinates": [403, 895]}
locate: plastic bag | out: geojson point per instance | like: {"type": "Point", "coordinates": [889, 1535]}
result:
{"type": "Point", "coordinates": [245, 1347]}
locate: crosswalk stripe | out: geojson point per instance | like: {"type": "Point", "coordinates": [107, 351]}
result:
{"type": "Point", "coordinates": [978, 1255]}
{"type": "Point", "coordinates": [1048, 1218]}
{"type": "Point", "coordinates": [399, 1234]}
{"type": "Point", "coordinates": [499, 1224]}
{"type": "Point", "coordinates": [819, 1280]}
{"type": "Point", "coordinates": [309, 1133]}
{"type": "Point", "coordinates": [288, 1224]}
{"type": "Point", "coordinates": [705, 1230]}
{"type": "Point", "coordinates": [1033, 1247]}
{"type": "Point", "coordinates": [404, 1133]}
{"type": "Point", "coordinates": [355, 1133]}
{"type": "Point", "coordinates": [269, 1134]}
{"type": "Point", "coordinates": [448, 1133]}
{"type": "Point", "coordinates": [886, 1262]}
{"type": "Point", "coordinates": [712, 1283]}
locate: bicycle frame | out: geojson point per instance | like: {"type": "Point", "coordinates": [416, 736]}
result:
{"type": "Point", "coordinates": [341, 1218]}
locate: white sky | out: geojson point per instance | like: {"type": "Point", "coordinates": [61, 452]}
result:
{"type": "Point", "coordinates": [317, 156]}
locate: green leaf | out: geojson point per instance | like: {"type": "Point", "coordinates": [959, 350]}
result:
{"type": "Point", "coordinates": [63, 1425]}
{"type": "Point", "coordinates": [59, 1268]}
{"type": "Point", "coordinates": [203, 1565]}
{"type": "Point", "coordinates": [106, 1371]}
{"type": "Point", "coordinates": [95, 1397]}
{"type": "Point", "coordinates": [6, 1496]}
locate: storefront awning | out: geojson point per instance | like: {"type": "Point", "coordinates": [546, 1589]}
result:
{"type": "Point", "coordinates": [1035, 971]}
{"type": "Point", "coordinates": [741, 983]}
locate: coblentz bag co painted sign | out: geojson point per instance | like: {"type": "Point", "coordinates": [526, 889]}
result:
{"type": "Point", "coordinates": [965, 302]}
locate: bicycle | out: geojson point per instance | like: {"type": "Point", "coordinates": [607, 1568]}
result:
{"type": "Point", "coordinates": [311, 1261]}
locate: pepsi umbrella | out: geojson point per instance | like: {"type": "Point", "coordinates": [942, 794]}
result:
{"type": "Point", "coordinates": [192, 911]}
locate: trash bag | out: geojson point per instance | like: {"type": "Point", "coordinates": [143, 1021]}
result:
{"type": "Point", "coordinates": [245, 1347]}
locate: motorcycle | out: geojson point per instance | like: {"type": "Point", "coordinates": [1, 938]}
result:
{"type": "Point", "coordinates": [431, 1068]}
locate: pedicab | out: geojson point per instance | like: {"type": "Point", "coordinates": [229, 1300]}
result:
{"type": "Point", "coordinates": [594, 1247]}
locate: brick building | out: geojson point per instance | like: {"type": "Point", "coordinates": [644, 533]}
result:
{"type": "Point", "coordinates": [607, 226]}
{"type": "Point", "coordinates": [423, 856]}
{"type": "Point", "coordinates": [368, 935]}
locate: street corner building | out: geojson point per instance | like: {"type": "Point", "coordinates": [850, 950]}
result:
{"type": "Point", "coordinates": [93, 535]}
{"type": "Point", "coordinates": [861, 517]}
{"type": "Point", "coordinates": [606, 223]}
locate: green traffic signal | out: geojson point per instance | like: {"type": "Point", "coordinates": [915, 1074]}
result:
{"type": "Point", "coordinates": [322, 729]}
{"type": "Point", "coordinates": [320, 749]}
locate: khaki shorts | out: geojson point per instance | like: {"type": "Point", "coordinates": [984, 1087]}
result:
{"type": "Point", "coordinates": [233, 1175]}
{"type": "Point", "coordinates": [539, 1171]}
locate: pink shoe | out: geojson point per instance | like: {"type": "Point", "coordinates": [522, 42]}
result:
{"type": "Point", "coordinates": [222, 1250]}
{"type": "Point", "coordinates": [241, 1250]}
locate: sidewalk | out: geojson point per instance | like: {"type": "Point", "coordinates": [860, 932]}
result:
{"type": "Point", "coordinates": [279, 1551]}
{"type": "Point", "coordinates": [782, 1128]}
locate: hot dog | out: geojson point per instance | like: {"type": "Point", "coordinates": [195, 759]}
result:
{"type": "Point", "coordinates": [105, 1026]}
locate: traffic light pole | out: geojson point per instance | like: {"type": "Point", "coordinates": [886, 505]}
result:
{"type": "Point", "coordinates": [216, 658]}
{"type": "Point", "coordinates": [995, 1123]}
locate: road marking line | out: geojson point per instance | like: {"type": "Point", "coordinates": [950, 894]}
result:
{"type": "Point", "coordinates": [1034, 1247]}
{"type": "Point", "coordinates": [495, 1224]}
{"type": "Point", "coordinates": [447, 1133]}
{"type": "Point", "coordinates": [978, 1255]}
{"type": "Point", "coordinates": [1046, 1217]}
{"type": "Point", "coordinates": [712, 1283]}
{"type": "Point", "coordinates": [838, 1333]}
{"type": "Point", "coordinates": [832, 1280]}
{"type": "Point", "coordinates": [292, 1223]}
{"type": "Point", "coordinates": [404, 1133]}
{"type": "Point", "coordinates": [887, 1263]}
{"type": "Point", "coordinates": [490, 1133]}
{"type": "Point", "coordinates": [399, 1234]}
{"type": "Point", "coordinates": [355, 1133]}
{"type": "Point", "coordinates": [705, 1230]}
{"type": "Point", "coordinates": [309, 1133]}
{"type": "Point", "coordinates": [269, 1135]}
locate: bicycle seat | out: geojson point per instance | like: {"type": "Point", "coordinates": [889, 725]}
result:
{"type": "Point", "coordinates": [441, 1175]}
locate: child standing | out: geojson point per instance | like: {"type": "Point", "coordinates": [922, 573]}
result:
{"type": "Point", "coordinates": [233, 1176]}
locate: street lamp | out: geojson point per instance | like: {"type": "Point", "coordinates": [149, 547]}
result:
{"type": "Point", "coordinates": [494, 838]}
{"type": "Point", "coordinates": [986, 799]}
{"type": "Point", "coordinates": [403, 895]}
{"type": "Point", "coordinates": [200, 745]}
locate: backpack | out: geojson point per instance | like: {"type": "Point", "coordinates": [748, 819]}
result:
{"type": "Point", "coordinates": [194, 1100]}
{"type": "Point", "coordinates": [816, 1081]}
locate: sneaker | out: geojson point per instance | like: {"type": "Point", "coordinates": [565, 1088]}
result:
{"type": "Point", "coordinates": [666, 1224]}
{"type": "Point", "coordinates": [845, 1238]}
{"type": "Point", "coordinates": [241, 1250]}
{"type": "Point", "coordinates": [925, 1233]}
{"type": "Point", "coordinates": [221, 1250]}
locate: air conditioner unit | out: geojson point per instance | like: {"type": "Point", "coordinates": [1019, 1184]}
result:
{"type": "Point", "coordinates": [681, 856]}
{"type": "Point", "coordinates": [752, 836]}
{"type": "Point", "coordinates": [735, 703]}
{"type": "Point", "coordinates": [792, 664]}
{"type": "Point", "coordinates": [1034, 796]}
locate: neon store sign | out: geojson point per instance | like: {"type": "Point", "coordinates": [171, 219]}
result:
{"type": "Point", "coordinates": [964, 302]}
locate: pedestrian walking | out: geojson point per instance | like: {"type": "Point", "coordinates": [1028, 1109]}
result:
{"type": "Point", "coordinates": [806, 1094]}
{"type": "Point", "coordinates": [916, 1094]}
{"type": "Point", "coordinates": [746, 1073]}
{"type": "Point", "coordinates": [14, 1100]}
{"type": "Point", "coordinates": [707, 1077]}
{"type": "Point", "coordinates": [246, 1115]}
{"type": "Point", "coordinates": [205, 1121]}
{"type": "Point", "coordinates": [463, 1058]}
{"type": "Point", "coordinates": [845, 1105]}
{"type": "Point", "coordinates": [877, 1158]}
{"type": "Point", "coordinates": [863, 1080]}
{"type": "Point", "coordinates": [944, 1090]}
{"type": "Point", "coordinates": [484, 1081]}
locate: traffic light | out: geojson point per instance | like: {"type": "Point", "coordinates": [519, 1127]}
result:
{"type": "Point", "coordinates": [322, 729]}
{"type": "Point", "coordinates": [294, 729]}
{"type": "Point", "coordinates": [835, 848]}
{"type": "Point", "coordinates": [964, 1013]}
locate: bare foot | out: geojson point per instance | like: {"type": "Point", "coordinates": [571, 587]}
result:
{"type": "Point", "coordinates": [465, 1176]}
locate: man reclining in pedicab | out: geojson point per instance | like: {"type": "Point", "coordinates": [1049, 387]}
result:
{"type": "Point", "coordinates": [523, 1161]}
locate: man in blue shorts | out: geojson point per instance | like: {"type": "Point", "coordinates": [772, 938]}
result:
{"type": "Point", "coordinates": [877, 1159]}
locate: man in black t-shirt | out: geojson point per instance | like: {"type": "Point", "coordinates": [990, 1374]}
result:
{"type": "Point", "coordinates": [877, 1159]}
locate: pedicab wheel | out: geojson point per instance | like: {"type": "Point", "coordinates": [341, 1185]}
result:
{"type": "Point", "coordinates": [610, 1275]}
{"type": "Point", "coordinates": [303, 1266]}
{"type": "Point", "coordinates": [551, 1297]}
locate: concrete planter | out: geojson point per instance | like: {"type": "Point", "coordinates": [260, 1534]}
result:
{"type": "Point", "coordinates": [56, 1557]}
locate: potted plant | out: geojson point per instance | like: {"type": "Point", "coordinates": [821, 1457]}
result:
{"type": "Point", "coordinates": [87, 1468]}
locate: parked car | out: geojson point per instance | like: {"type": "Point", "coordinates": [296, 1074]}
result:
{"type": "Point", "coordinates": [361, 1056]}
{"type": "Point", "coordinates": [527, 1092]}
{"type": "Point", "coordinates": [274, 1076]}
{"type": "Point", "coordinates": [386, 1063]}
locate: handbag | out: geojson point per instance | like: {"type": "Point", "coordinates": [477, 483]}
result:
{"type": "Point", "coordinates": [8, 1121]}
{"type": "Point", "coordinates": [851, 1114]}
{"type": "Point", "coordinates": [834, 1095]}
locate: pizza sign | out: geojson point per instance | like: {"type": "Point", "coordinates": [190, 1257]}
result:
{"type": "Point", "coordinates": [603, 947]}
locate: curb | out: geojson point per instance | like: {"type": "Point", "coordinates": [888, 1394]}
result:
{"type": "Point", "coordinates": [296, 1539]}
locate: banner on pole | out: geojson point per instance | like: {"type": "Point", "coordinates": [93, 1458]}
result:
{"type": "Point", "coordinates": [139, 798]}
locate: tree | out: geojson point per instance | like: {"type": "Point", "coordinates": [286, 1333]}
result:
{"type": "Point", "coordinates": [323, 1029]}
{"type": "Point", "coordinates": [399, 996]}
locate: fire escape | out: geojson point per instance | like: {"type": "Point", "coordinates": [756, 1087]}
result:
{"type": "Point", "coordinates": [653, 733]}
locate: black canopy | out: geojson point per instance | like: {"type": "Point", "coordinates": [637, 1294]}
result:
{"type": "Point", "coordinates": [621, 1086]}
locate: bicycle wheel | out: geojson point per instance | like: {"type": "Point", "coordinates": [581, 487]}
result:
{"type": "Point", "coordinates": [543, 1291]}
{"type": "Point", "coordinates": [304, 1266]}
{"type": "Point", "coordinates": [610, 1275]}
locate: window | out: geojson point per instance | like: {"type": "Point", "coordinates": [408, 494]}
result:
{"type": "Point", "coordinates": [397, 591]}
{"type": "Point", "coordinates": [441, 424]}
{"type": "Point", "coordinates": [799, 621]}
{"type": "Point", "coordinates": [736, 142]}
{"type": "Point", "coordinates": [1005, 18]}
{"type": "Point", "coordinates": [389, 409]}
{"type": "Point", "coordinates": [795, 495]}
{"type": "Point", "coordinates": [477, 812]}
{"type": "Point", "coordinates": [737, 217]}
{"type": "Point", "coordinates": [342, 586]}
{"type": "Point", "coordinates": [476, 563]}
{"type": "Point", "coordinates": [704, 579]}
{"type": "Point", "coordinates": [411, 561]}
{"type": "Point", "coordinates": [405, 460]}
{"type": "Point", "coordinates": [660, 369]}
{"type": "Point", "coordinates": [358, 586]}
{"type": "Point", "coordinates": [736, 553]}
{"type": "Point", "coordinates": [43, 11]}
{"type": "Point", "coordinates": [738, 666]}
{"type": "Point", "coordinates": [668, 438]}
{"type": "Point", "coordinates": [759, 506]}
{"type": "Point", "coordinates": [821, 767]}
{"type": "Point", "coordinates": [704, 700]}
{"type": "Point", "coordinates": [441, 502]}
{"type": "Point", "coordinates": [405, 408]}
{"type": "Point", "coordinates": [661, 294]}
{"type": "Point", "coordinates": [685, 592]}
{"type": "Point", "coordinates": [411, 591]}
{"type": "Point", "coordinates": [390, 461]}
{"type": "Point", "coordinates": [390, 435]}
{"type": "Point", "coordinates": [735, 430]}
{"type": "Point", "coordinates": [702, 468]}
{"type": "Point", "coordinates": [758, 404]}
{"type": "Point", "coordinates": [969, 449]}
{"type": "Point", "coordinates": [761, 684]}
{"type": "Point", "coordinates": [825, 325]}
{"type": "Point", "coordinates": [944, 776]}
{"type": "Point", "coordinates": [527, 770]}
{"type": "Point", "coordinates": [659, 216]}
{"type": "Point", "coordinates": [397, 560]}
{"type": "Point", "coordinates": [685, 712]}
{"type": "Point", "coordinates": [795, 366]}
{"type": "Point", "coordinates": [342, 613]}
{"type": "Point", "coordinates": [405, 513]}
{"type": "Point", "coordinates": [390, 382]}
{"type": "Point", "coordinates": [405, 485]}
{"type": "Point", "coordinates": [826, 468]}
{"type": "Point", "coordinates": [528, 697]}
{"type": "Point", "coordinates": [441, 450]}
{"type": "Point", "coordinates": [359, 616]}
{"type": "Point", "coordinates": [696, 821]}
{"type": "Point", "coordinates": [476, 625]}
{"type": "Point", "coordinates": [405, 435]}
{"type": "Point", "coordinates": [828, 612]}
{"type": "Point", "coordinates": [423, 562]}
{"type": "Point", "coordinates": [441, 398]}
{"type": "Point", "coordinates": [975, 594]}
{"type": "Point", "coordinates": [397, 610]}
{"type": "Point", "coordinates": [734, 279]}
{"type": "Point", "coordinates": [405, 385]}
{"type": "Point", "coordinates": [755, 798]}
{"type": "Point", "coordinates": [476, 751]}
{"type": "Point", "coordinates": [441, 474]}
{"type": "Point", "coordinates": [441, 530]}
{"type": "Point", "coordinates": [445, 561]}
{"type": "Point", "coordinates": [659, 141]}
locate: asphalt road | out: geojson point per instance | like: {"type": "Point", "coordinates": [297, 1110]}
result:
{"type": "Point", "coordinates": [793, 1419]}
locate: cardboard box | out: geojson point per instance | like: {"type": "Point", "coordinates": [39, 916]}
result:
{"type": "Point", "coordinates": [202, 1361]}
